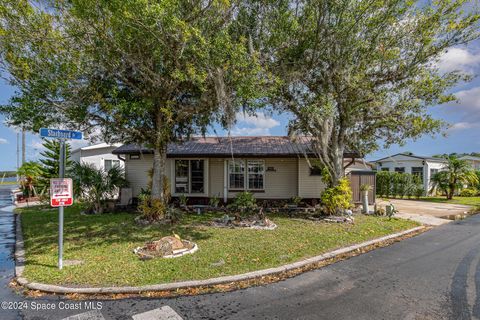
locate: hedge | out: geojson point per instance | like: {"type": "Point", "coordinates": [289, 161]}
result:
{"type": "Point", "coordinates": [395, 184]}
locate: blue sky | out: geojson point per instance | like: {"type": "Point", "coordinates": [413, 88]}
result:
{"type": "Point", "coordinates": [464, 117]}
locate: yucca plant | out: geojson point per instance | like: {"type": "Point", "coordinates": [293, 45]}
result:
{"type": "Point", "coordinates": [95, 186]}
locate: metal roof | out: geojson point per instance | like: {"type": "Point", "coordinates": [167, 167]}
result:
{"type": "Point", "coordinates": [263, 146]}
{"type": "Point", "coordinates": [412, 156]}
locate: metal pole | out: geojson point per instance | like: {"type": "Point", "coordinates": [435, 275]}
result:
{"type": "Point", "coordinates": [60, 209]}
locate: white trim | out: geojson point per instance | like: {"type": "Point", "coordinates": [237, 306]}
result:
{"type": "Point", "coordinates": [225, 180]}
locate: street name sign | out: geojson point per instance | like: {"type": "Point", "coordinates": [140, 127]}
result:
{"type": "Point", "coordinates": [60, 134]}
{"type": "Point", "coordinates": [61, 192]}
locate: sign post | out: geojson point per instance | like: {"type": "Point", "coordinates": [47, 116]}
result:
{"type": "Point", "coordinates": [61, 189]}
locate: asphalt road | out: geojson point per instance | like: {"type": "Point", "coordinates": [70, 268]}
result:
{"type": "Point", "coordinates": [435, 275]}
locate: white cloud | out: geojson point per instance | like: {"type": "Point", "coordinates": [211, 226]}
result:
{"type": "Point", "coordinates": [463, 126]}
{"type": "Point", "coordinates": [459, 59]}
{"type": "Point", "coordinates": [256, 125]}
{"type": "Point", "coordinates": [3, 141]}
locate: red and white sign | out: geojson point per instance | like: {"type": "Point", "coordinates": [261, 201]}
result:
{"type": "Point", "coordinates": [61, 192]}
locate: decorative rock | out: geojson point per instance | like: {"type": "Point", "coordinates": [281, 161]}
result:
{"type": "Point", "coordinates": [166, 247]}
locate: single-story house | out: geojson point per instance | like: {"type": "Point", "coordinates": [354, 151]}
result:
{"type": "Point", "coordinates": [100, 155]}
{"type": "Point", "coordinates": [424, 167]}
{"type": "Point", "coordinates": [473, 161]}
{"type": "Point", "coordinates": [272, 167]}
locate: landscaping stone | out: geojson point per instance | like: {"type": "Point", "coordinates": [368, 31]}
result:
{"type": "Point", "coordinates": [333, 219]}
{"type": "Point", "coordinates": [72, 262]}
{"type": "Point", "coordinates": [251, 222]}
{"type": "Point", "coordinates": [166, 247]}
{"type": "Point", "coordinates": [219, 263]}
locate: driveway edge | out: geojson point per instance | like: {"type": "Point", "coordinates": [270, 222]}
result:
{"type": "Point", "coordinates": [20, 266]}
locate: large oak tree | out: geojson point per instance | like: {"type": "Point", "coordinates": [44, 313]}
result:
{"type": "Point", "coordinates": [135, 71]}
{"type": "Point", "coordinates": [358, 74]}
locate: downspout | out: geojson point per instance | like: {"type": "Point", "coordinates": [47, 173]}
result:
{"type": "Point", "coordinates": [349, 164]}
{"type": "Point", "coordinates": [225, 176]}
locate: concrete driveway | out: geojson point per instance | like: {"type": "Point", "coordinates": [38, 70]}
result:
{"type": "Point", "coordinates": [427, 212]}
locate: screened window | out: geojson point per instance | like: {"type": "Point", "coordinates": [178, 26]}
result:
{"type": "Point", "coordinates": [189, 176]}
{"type": "Point", "coordinates": [256, 172]}
{"type": "Point", "coordinates": [196, 172]}
{"type": "Point", "coordinates": [181, 176]}
{"type": "Point", "coordinates": [236, 174]}
{"type": "Point", "coordinates": [400, 169]}
{"type": "Point", "coordinates": [418, 171]}
{"type": "Point", "coordinates": [109, 164]}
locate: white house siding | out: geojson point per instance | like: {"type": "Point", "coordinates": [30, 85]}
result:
{"type": "Point", "coordinates": [95, 157]}
{"type": "Point", "coordinates": [408, 163]}
{"type": "Point", "coordinates": [308, 186]}
{"type": "Point", "coordinates": [136, 172]}
{"type": "Point", "coordinates": [280, 183]}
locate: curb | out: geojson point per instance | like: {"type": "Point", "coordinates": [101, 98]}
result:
{"type": "Point", "coordinates": [20, 262]}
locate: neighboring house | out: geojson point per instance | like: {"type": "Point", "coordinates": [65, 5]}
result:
{"type": "Point", "coordinates": [269, 167]}
{"type": "Point", "coordinates": [473, 161]}
{"type": "Point", "coordinates": [424, 167]}
{"type": "Point", "coordinates": [99, 155]}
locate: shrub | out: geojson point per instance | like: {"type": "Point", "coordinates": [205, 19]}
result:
{"type": "Point", "coordinates": [338, 198]}
{"type": "Point", "coordinates": [244, 202]}
{"type": "Point", "coordinates": [214, 201]}
{"type": "Point", "coordinates": [183, 200]}
{"type": "Point", "coordinates": [94, 186]}
{"type": "Point", "coordinates": [296, 200]}
{"type": "Point", "coordinates": [151, 209]}
{"type": "Point", "coordinates": [469, 192]}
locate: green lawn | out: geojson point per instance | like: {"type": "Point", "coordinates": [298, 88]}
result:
{"type": "Point", "coordinates": [105, 243]}
{"type": "Point", "coordinates": [469, 201]}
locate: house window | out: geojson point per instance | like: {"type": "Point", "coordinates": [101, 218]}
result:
{"type": "Point", "coordinates": [252, 179]}
{"type": "Point", "coordinates": [256, 172]}
{"type": "Point", "coordinates": [418, 171]}
{"type": "Point", "coordinates": [400, 169]}
{"type": "Point", "coordinates": [433, 172]}
{"type": "Point", "coordinates": [196, 172]}
{"type": "Point", "coordinates": [189, 176]}
{"type": "Point", "coordinates": [385, 169]}
{"type": "Point", "coordinates": [236, 174]}
{"type": "Point", "coordinates": [109, 164]}
{"type": "Point", "coordinates": [181, 176]}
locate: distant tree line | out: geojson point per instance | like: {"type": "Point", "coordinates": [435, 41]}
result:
{"type": "Point", "coordinates": [8, 174]}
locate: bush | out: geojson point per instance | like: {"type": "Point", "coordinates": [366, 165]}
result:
{"type": "Point", "coordinates": [94, 186]}
{"type": "Point", "coordinates": [394, 184]}
{"type": "Point", "coordinates": [244, 202]}
{"type": "Point", "coordinates": [152, 209]}
{"type": "Point", "coordinates": [214, 201]}
{"type": "Point", "coordinates": [469, 192]}
{"type": "Point", "coordinates": [338, 198]}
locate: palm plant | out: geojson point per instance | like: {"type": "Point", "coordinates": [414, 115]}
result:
{"type": "Point", "coordinates": [95, 186]}
{"type": "Point", "coordinates": [455, 174]}
{"type": "Point", "coordinates": [30, 173]}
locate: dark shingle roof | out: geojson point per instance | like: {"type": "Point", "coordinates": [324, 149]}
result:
{"type": "Point", "coordinates": [272, 146]}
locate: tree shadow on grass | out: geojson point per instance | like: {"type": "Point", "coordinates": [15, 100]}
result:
{"type": "Point", "coordinates": [88, 232]}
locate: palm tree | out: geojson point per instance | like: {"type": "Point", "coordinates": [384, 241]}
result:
{"type": "Point", "coordinates": [30, 172]}
{"type": "Point", "coordinates": [95, 186]}
{"type": "Point", "coordinates": [454, 175]}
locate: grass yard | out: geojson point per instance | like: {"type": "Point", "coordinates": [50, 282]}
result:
{"type": "Point", "coordinates": [105, 244]}
{"type": "Point", "coordinates": [469, 201]}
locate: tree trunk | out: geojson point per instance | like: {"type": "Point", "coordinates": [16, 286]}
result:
{"type": "Point", "coordinates": [451, 191]}
{"type": "Point", "coordinates": [159, 163]}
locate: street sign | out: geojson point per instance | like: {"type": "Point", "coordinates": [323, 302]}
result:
{"type": "Point", "coordinates": [60, 134]}
{"type": "Point", "coordinates": [61, 192]}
